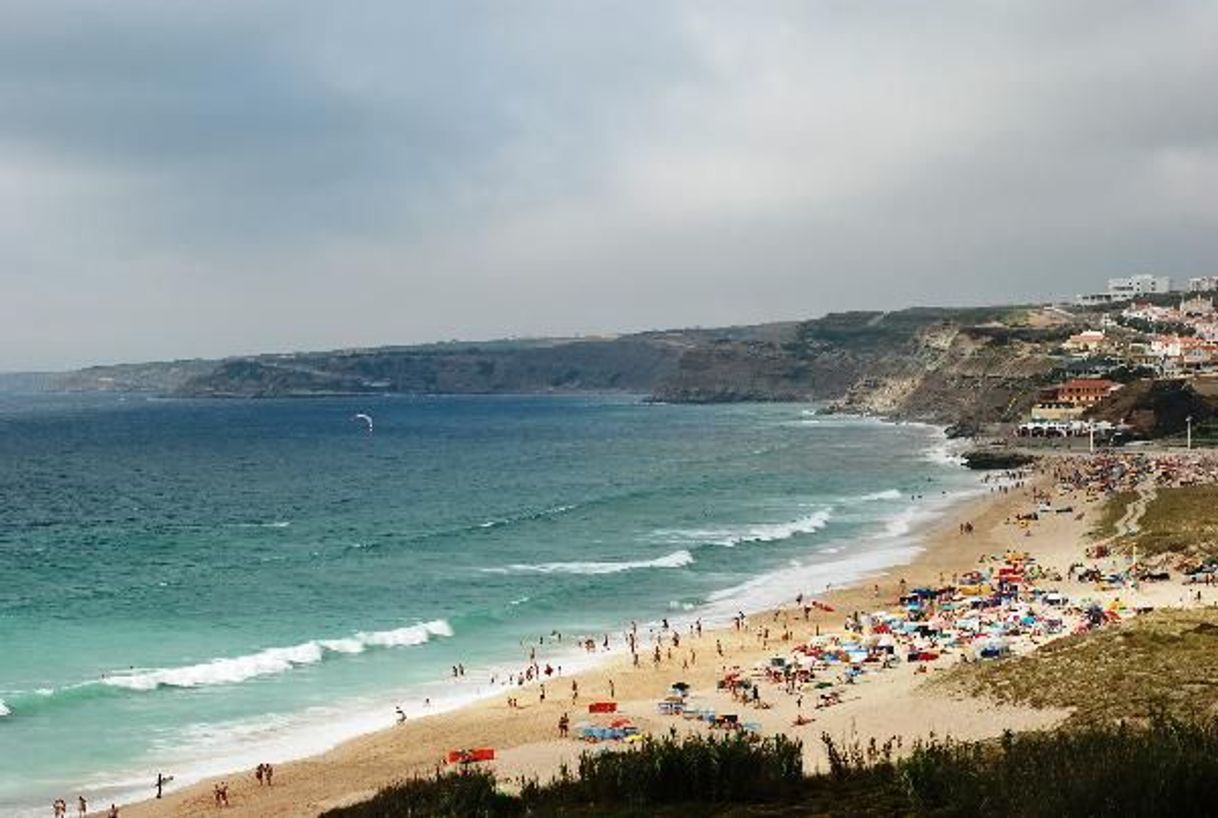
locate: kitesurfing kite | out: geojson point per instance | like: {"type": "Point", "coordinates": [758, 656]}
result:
{"type": "Point", "coordinates": [365, 418]}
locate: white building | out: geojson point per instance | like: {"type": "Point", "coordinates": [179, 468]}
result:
{"type": "Point", "coordinates": [1126, 289]}
{"type": "Point", "coordinates": [1203, 284]}
{"type": "Point", "coordinates": [1139, 285]}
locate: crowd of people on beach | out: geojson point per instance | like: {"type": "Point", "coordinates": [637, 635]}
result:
{"type": "Point", "coordinates": [1007, 603]}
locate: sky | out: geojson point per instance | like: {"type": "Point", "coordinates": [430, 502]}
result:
{"type": "Point", "coordinates": [198, 179]}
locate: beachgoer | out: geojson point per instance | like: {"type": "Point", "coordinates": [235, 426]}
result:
{"type": "Point", "coordinates": [258, 774]}
{"type": "Point", "coordinates": [113, 811]}
{"type": "Point", "coordinates": [82, 806]}
{"type": "Point", "coordinates": [542, 697]}
{"type": "Point", "coordinates": [401, 714]}
{"type": "Point", "coordinates": [59, 808]}
{"type": "Point", "coordinates": [574, 691]}
{"type": "Point", "coordinates": [268, 772]}
{"type": "Point", "coordinates": [612, 691]}
{"type": "Point", "coordinates": [564, 725]}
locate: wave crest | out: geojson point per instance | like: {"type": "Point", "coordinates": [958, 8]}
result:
{"type": "Point", "coordinates": [677, 559]}
{"type": "Point", "coordinates": [761, 532]}
{"type": "Point", "coordinates": [275, 660]}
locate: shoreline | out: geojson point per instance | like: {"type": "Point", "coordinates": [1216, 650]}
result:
{"type": "Point", "coordinates": [219, 750]}
{"type": "Point", "coordinates": [374, 759]}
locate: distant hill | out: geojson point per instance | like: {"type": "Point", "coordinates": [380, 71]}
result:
{"type": "Point", "coordinates": [943, 364]}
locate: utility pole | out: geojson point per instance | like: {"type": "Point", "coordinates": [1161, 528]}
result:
{"type": "Point", "coordinates": [1189, 420]}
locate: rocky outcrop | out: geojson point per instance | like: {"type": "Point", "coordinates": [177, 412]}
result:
{"type": "Point", "coordinates": [990, 459]}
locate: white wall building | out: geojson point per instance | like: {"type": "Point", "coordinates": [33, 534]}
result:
{"type": "Point", "coordinates": [1203, 284]}
{"type": "Point", "coordinates": [1139, 285]}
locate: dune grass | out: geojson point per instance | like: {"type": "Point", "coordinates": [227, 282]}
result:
{"type": "Point", "coordinates": [1182, 521]}
{"type": "Point", "coordinates": [1114, 510]}
{"type": "Point", "coordinates": [1166, 662]}
{"type": "Point", "coordinates": [1165, 767]}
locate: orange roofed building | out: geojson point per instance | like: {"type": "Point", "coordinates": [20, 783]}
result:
{"type": "Point", "coordinates": [1086, 391]}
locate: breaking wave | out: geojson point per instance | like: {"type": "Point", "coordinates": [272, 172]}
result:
{"type": "Point", "coordinates": [275, 660]}
{"type": "Point", "coordinates": [887, 494]}
{"type": "Point", "coordinates": [677, 559]}
{"type": "Point", "coordinates": [760, 532]}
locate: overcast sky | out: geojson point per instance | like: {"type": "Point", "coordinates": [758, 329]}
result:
{"type": "Point", "coordinates": [185, 179]}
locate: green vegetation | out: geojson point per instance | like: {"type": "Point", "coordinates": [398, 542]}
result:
{"type": "Point", "coordinates": [1163, 662]}
{"type": "Point", "coordinates": [1165, 767]}
{"type": "Point", "coordinates": [871, 329]}
{"type": "Point", "coordinates": [1155, 409]}
{"type": "Point", "coordinates": [1182, 521]}
{"type": "Point", "coordinates": [1114, 510]}
{"type": "Point", "coordinates": [654, 773]}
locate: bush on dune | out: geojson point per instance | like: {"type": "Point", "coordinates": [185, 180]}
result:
{"type": "Point", "coordinates": [1166, 767]}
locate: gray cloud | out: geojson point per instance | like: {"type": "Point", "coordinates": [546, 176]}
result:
{"type": "Point", "coordinates": [205, 179]}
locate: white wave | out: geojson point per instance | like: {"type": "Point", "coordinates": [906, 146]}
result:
{"type": "Point", "coordinates": [4, 711]}
{"type": "Point", "coordinates": [901, 524]}
{"type": "Point", "coordinates": [781, 586]}
{"type": "Point", "coordinates": [770, 532]}
{"type": "Point", "coordinates": [677, 559]}
{"type": "Point", "coordinates": [887, 494]}
{"type": "Point", "coordinates": [944, 454]}
{"type": "Point", "coordinates": [761, 532]}
{"type": "Point", "coordinates": [272, 524]}
{"type": "Point", "coordinates": [275, 660]}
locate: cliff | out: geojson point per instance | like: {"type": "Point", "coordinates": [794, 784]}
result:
{"type": "Point", "coordinates": [947, 365]}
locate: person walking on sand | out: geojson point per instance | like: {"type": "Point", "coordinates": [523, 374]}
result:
{"type": "Point", "coordinates": [564, 725]}
{"type": "Point", "coordinates": [113, 811]}
{"type": "Point", "coordinates": [59, 808]}
{"type": "Point", "coordinates": [401, 714]}
{"type": "Point", "coordinates": [267, 772]}
{"type": "Point", "coordinates": [82, 806]}
{"type": "Point", "coordinates": [574, 691]}
{"type": "Point", "coordinates": [612, 690]}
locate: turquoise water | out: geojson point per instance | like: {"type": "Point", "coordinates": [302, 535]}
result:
{"type": "Point", "coordinates": [196, 586]}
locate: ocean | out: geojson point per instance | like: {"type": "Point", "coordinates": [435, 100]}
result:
{"type": "Point", "coordinates": [196, 586]}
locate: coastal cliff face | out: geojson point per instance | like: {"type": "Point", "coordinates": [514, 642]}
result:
{"type": "Point", "coordinates": [946, 365]}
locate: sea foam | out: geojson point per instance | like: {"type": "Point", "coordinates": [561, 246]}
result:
{"type": "Point", "coordinates": [887, 494]}
{"type": "Point", "coordinates": [677, 559]}
{"type": "Point", "coordinates": [4, 711]}
{"type": "Point", "coordinates": [759, 532]}
{"type": "Point", "coordinates": [275, 660]}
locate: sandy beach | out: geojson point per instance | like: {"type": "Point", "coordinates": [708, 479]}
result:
{"type": "Point", "coordinates": [883, 705]}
